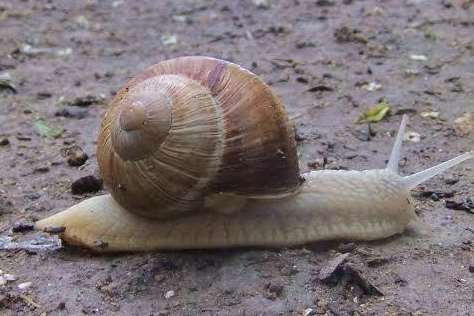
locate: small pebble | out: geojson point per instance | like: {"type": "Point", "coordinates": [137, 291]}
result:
{"type": "Point", "coordinates": [22, 227]}
{"type": "Point", "coordinates": [333, 265]}
{"type": "Point", "coordinates": [9, 277]}
{"type": "Point", "coordinates": [75, 156]}
{"type": "Point", "coordinates": [43, 95]}
{"type": "Point", "coordinates": [72, 112]}
{"type": "Point", "coordinates": [451, 181]}
{"type": "Point", "coordinates": [24, 285]}
{"type": "Point", "coordinates": [471, 268]}
{"type": "Point", "coordinates": [41, 169]}
{"type": "Point", "coordinates": [86, 101]}
{"type": "Point", "coordinates": [412, 137]}
{"type": "Point", "coordinates": [418, 57]}
{"type": "Point", "coordinates": [33, 196]}
{"type": "Point", "coordinates": [274, 290]}
{"type": "Point", "coordinates": [87, 184]}
{"type": "Point", "coordinates": [346, 247]}
{"type": "Point", "coordinates": [400, 281]}
{"type": "Point", "coordinates": [4, 141]}
{"type": "Point", "coordinates": [309, 312]}
{"type": "Point", "coordinates": [169, 294]}
{"type": "Point", "coordinates": [262, 4]}
{"type": "Point", "coordinates": [466, 205]}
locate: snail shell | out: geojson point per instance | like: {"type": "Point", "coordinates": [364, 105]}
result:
{"type": "Point", "coordinates": [187, 130]}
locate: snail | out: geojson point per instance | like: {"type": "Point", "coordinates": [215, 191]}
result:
{"type": "Point", "coordinates": [198, 153]}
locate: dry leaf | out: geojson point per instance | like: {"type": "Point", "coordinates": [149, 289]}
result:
{"type": "Point", "coordinates": [44, 130]}
{"type": "Point", "coordinates": [374, 114]}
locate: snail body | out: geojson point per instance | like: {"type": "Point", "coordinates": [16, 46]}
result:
{"type": "Point", "coordinates": [198, 153]}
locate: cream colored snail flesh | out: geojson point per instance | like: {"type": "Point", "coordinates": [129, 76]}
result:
{"type": "Point", "coordinates": [198, 153]}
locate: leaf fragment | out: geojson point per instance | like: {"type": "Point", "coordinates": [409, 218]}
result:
{"type": "Point", "coordinates": [375, 113]}
{"type": "Point", "coordinates": [169, 39]}
{"type": "Point", "coordinates": [44, 130]}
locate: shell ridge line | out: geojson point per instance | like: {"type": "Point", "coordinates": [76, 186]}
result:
{"type": "Point", "coordinates": [157, 186]}
{"type": "Point", "coordinates": [215, 75]}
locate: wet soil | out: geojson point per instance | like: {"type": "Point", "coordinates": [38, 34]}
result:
{"type": "Point", "coordinates": [67, 58]}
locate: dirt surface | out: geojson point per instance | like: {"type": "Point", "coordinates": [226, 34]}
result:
{"type": "Point", "coordinates": [321, 58]}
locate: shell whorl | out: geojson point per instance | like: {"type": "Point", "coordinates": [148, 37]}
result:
{"type": "Point", "coordinates": [193, 126]}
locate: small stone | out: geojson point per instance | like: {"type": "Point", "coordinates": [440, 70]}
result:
{"type": "Point", "coordinates": [309, 312]}
{"type": "Point", "coordinates": [402, 282]}
{"type": "Point", "coordinates": [430, 114]}
{"type": "Point", "coordinates": [376, 261]}
{"type": "Point", "coordinates": [72, 112]}
{"type": "Point", "coordinates": [359, 278]}
{"type": "Point", "coordinates": [346, 247]}
{"type": "Point", "coordinates": [325, 3]}
{"type": "Point", "coordinates": [418, 57]}
{"type": "Point", "coordinates": [22, 227]}
{"type": "Point", "coordinates": [373, 86]}
{"type": "Point", "coordinates": [318, 164]}
{"type": "Point", "coordinates": [471, 268]}
{"type": "Point", "coordinates": [412, 137]}
{"type": "Point", "coordinates": [451, 181]}
{"type": "Point", "coordinates": [159, 278]}
{"type": "Point", "coordinates": [169, 294]}
{"type": "Point", "coordinates": [467, 205]}
{"type": "Point", "coordinates": [9, 277]}
{"type": "Point", "coordinates": [87, 184]}
{"type": "Point", "coordinates": [6, 82]}
{"type": "Point", "coordinates": [328, 271]}
{"type": "Point", "coordinates": [4, 141]}
{"type": "Point", "coordinates": [262, 4]}
{"type": "Point", "coordinates": [346, 34]}
{"type": "Point", "coordinates": [274, 290]}
{"type": "Point", "coordinates": [86, 101]}
{"type": "Point", "coordinates": [169, 39]}
{"type": "Point", "coordinates": [24, 285]}
{"type": "Point", "coordinates": [43, 169]}
{"type": "Point", "coordinates": [33, 196]}
{"type": "Point", "coordinates": [43, 95]}
{"type": "Point", "coordinates": [75, 156]}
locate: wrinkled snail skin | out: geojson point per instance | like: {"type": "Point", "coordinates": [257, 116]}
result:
{"type": "Point", "coordinates": [330, 205]}
{"type": "Point", "coordinates": [198, 153]}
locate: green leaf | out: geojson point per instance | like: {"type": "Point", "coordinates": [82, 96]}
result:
{"type": "Point", "coordinates": [44, 130]}
{"type": "Point", "coordinates": [375, 113]}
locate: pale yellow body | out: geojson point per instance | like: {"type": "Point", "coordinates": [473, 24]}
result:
{"type": "Point", "coordinates": [353, 205]}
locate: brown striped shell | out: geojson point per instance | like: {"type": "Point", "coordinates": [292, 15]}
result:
{"type": "Point", "coordinates": [193, 127]}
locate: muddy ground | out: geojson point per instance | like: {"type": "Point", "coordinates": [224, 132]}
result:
{"type": "Point", "coordinates": [328, 61]}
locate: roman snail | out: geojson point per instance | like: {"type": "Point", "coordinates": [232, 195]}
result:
{"type": "Point", "coordinates": [198, 153]}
